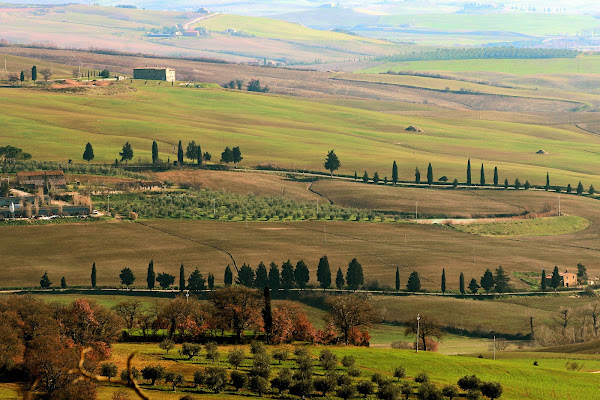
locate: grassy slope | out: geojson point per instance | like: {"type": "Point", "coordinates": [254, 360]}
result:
{"type": "Point", "coordinates": [582, 64]}
{"type": "Point", "coordinates": [16, 64]}
{"type": "Point", "coordinates": [275, 129]}
{"type": "Point", "coordinates": [528, 227]}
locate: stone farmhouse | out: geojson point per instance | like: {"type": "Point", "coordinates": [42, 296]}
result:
{"type": "Point", "coordinates": [46, 179]}
{"type": "Point", "coordinates": [154, 74]}
{"type": "Point", "coordinates": [567, 279]}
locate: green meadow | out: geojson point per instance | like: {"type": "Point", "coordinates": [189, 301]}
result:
{"type": "Point", "coordinates": [528, 227]}
{"type": "Point", "coordinates": [277, 129]}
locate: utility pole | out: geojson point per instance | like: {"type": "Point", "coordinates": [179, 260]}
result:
{"type": "Point", "coordinates": [416, 210]}
{"type": "Point", "coordinates": [108, 205]}
{"type": "Point", "coordinates": [559, 205]}
{"type": "Point", "coordinates": [494, 347]}
{"type": "Point", "coordinates": [418, 328]}
{"type": "Point", "coordinates": [473, 253]}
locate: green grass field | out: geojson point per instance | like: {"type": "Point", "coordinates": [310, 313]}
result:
{"type": "Point", "coordinates": [528, 227]}
{"type": "Point", "coordinates": [274, 129]}
{"type": "Point", "coordinates": [580, 65]}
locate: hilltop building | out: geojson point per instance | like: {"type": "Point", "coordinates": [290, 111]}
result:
{"type": "Point", "coordinates": [567, 279]}
{"type": "Point", "coordinates": [154, 74]}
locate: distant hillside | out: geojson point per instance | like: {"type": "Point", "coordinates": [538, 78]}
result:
{"type": "Point", "coordinates": [327, 18]}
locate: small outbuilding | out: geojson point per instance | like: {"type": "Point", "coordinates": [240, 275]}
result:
{"type": "Point", "coordinates": [154, 74]}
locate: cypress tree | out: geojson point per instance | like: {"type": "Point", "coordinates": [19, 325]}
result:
{"type": "Point", "coordinates": [228, 277]}
{"type": "Point", "coordinates": [261, 279]}
{"type": "Point", "coordinates": [397, 279]}
{"type": "Point", "coordinates": [469, 172]}
{"type": "Point", "coordinates": [301, 274]}
{"type": "Point", "coordinates": [394, 173]}
{"type": "Point", "coordinates": [34, 73]}
{"type": "Point", "coordinates": [288, 278]}
{"type": "Point", "coordinates": [274, 279]}
{"type": "Point", "coordinates": [180, 154]}
{"type": "Point", "coordinates": [154, 152]}
{"type": "Point", "coordinates": [495, 176]}
{"type": "Point", "coordinates": [267, 314]}
{"type": "Point", "coordinates": [324, 273]}
{"type": "Point", "coordinates": [211, 281]}
{"type": "Point", "coordinates": [151, 277]}
{"type": "Point", "coordinates": [355, 176]}
{"type": "Point", "coordinates": [543, 283]}
{"type": "Point", "coordinates": [429, 174]}
{"type": "Point", "coordinates": [63, 283]}
{"type": "Point", "coordinates": [354, 275]}
{"type": "Point", "coordinates": [339, 279]}
{"type": "Point", "coordinates": [181, 278]}
{"type": "Point", "coordinates": [93, 276]}
{"type": "Point", "coordinates": [580, 188]}
{"type": "Point", "coordinates": [506, 184]}
{"type": "Point", "coordinates": [555, 281]}
{"type": "Point", "coordinates": [199, 154]}
{"type": "Point", "coordinates": [547, 187]}
{"type": "Point", "coordinates": [591, 190]}
{"type": "Point", "coordinates": [462, 283]}
{"type": "Point", "coordinates": [417, 176]}
{"type": "Point", "coordinates": [569, 188]}
{"type": "Point", "coordinates": [88, 154]}
{"type": "Point", "coordinates": [482, 176]}
{"type": "Point", "coordinates": [443, 281]}
{"type": "Point", "coordinates": [22, 77]}
{"type": "Point", "coordinates": [487, 280]}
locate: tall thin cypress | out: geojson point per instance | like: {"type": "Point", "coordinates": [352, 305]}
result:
{"type": "Point", "coordinates": [429, 174]}
{"type": "Point", "coordinates": [154, 152]}
{"type": "Point", "coordinates": [482, 176]}
{"type": "Point", "coordinates": [462, 283]}
{"type": "Point", "coordinates": [267, 315]}
{"type": "Point", "coordinates": [93, 277]}
{"type": "Point", "coordinates": [395, 173]}
{"type": "Point", "coordinates": [547, 182]}
{"type": "Point", "coordinates": [151, 277]}
{"type": "Point", "coordinates": [199, 154]}
{"type": "Point", "coordinates": [228, 276]}
{"type": "Point", "coordinates": [495, 176]}
{"type": "Point", "coordinates": [324, 273]}
{"type": "Point", "coordinates": [180, 154]}
{"type": "Point", "coordinates": [443, 280]}
{"type": "Point", "coordinates": [397, 279]}
{"type": "Point", "coordinates": [181, 278]}
{"type": "Point", "coordinates": [543, 283]}
{"type": "Point", "coordinates": [469, 172]}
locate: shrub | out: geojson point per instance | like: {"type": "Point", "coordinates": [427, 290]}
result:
{"type": "Point", "coordinates": [399, 373]}
{"type": "Point", "coordinates": [216, 378]}
{"type": "Point", "coordinates": [257, 347]}
{"type": "Point", "coordinates": [238, 380]}
{"type": "Point", "coordinates": [429, 392]}
{"type": "Point", "coordinates": [199, 377]}
{"type": "Point", "coordinates": [378, 379]}
{"type": "Point", "coordinates": [473, 394]}
{"type": "Point", "coordinates": [469, 382]}
{"type": "Point", "coordinates": [346, 392]}
{"type": "Point", "coordinates": [389, 391]}
{"type": "Point", "coordinates": [281, 355]}
{"type": "Point", "coordinates": [450, 391]}
{"type": "Point", "coordinates": [259, 385]}
{"type": "Point", "coordinates": [324, 385]}
{"type": "Point", "coordinates": [166, 345]}
{"type": "Point", "coordinates": [343, 380]}
{"type": "Point", "coordinates": [422, 378]}
{"type": "Point", "coordinates": [493, 390]}
{"type": "Point", "coordinates": [236, 357]}
{"type": "Point", "coordinates": [108, 370]}
{"type": "Point", "coordinates": [365, 388]}
{"type": "Point", "coordinates": [348, 361]}
{"type": "Point", "coordinates": [212, 351]}
{"type": "Point", "coordinates": [302, 388]}
{"type": "Point", "coordinates": [282, 381]}
{"type": "Point", "coordinates": [328, 360]}
{"type": "Point", "coordinates": [354, 372]}
{"type": "Point", "coordinates": [190, 350]}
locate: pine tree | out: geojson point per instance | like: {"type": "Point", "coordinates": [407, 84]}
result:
{"type": "Point", "coordinates": [482, 176]}
{"type": "Point", "coordinates": [245, 276]}
{"type": "Point", "coordinates": [88, 153]}
{"type": "Point", "coordinates": [417, 176]}
{"type": "Point", "coordinates": [495, 176]}
{"type": "Point", "coordinates": [288, 278]}
{"type": "Point", "coordinates": [443, 281]}
{"type": "Point", "coordinates": [394, 173]}
{"type": "Point", "coordinates": [591, 190]}
{"type": "Point", "coordinates": [181, 278]}
{"type": "Point", "coordinates": [487, 280]}
{"type": "Point", "coordinates": [569, 188]}
{"type": "Point", "coordinates": [473, 286]}
{"type": "Point", "coordinates": [354, 275]}
{"type": "Point", "coordinates": [274, 279]}
{"type": "Point", "coordinates": [429, 174]}
{"type": "Point", "coordinates": [501, 280]}
{"type": "Point", "coordinates": [397, 279]}
{"type": "Point", "coordinates": [262, 277]}
{"type": "Point", "coordinates": [301, 274]}
{"type": "Point", "coordinates": [365, 177]}
{"type": "Point", "coordinates": [469, 172]}
{"type": "Point", "coordinates": [151, 277]}
{"type": "Point", "coordinates": [580, 188]}
{"type": "Point", "coordinates": [547, 187]}
{"type": "Point", "coordinates": [180, 154]}
{"type": "Point", "coordinates": [506, 184]}
{"type": "Point", "coordinates": [339, 279]}
{"type": "Point", "coordinates": [63, 283]}
{"type": "Point", "coordinates": [517, 183]}
{"type": "Point", "coordinates": [414, 282]}
{"type": "Point", "coordinates": [332, 163]}
{"type": "Point", "coordinates": [228, 277]}
{"type": "Point", "coordinates": [154, 152]}
{"type": "Point", "coordinates": [543, 283]}
{"type": "Point", "coordinates": [324, 273]}
{"type": "Point", "coordinates": [93, 276]}
{"type": "Point", "coordinates": [267, 315]}
{"type": "Point", "coordinates": [461, 283]}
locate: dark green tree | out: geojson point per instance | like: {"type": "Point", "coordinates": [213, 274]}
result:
{"type": "Point", "coordinates": [34, 73]}
{"type": "Point", "coordinates": [332, 162]}
{"type": "Point", "coordinates": [443, 287]}
{"type": "Point", "coordinates": [165, 280]}
{"type": "Point", "coordinates": [236, 155]}
{"type": "Point", "coordinates": [527, 185]}
{"type": "Point", "coordinates": [469, 172]}
{"type": "Point", "coordinates": [199, 154]}
{"type": "Point", "coordinates": [501, 281]}
{"type": "Point", "coordinates": [211, 281]}
{"type": "Point", "coordinates": [245, 276]}
{"type": "Point", "coordinates": [376, 177]}
{"type": "Point", "coordinates": [22, 77]}
{"type": "Point", "coordinates": [287, 275]}
{"type": "Point", "coordinates": [274, 278]}
{"type": "Point", "coordinates": [417, 175]}
{"type": "Point", "coordinates": [126, 153]}
{"type": "Point", "coordinates": [228, 277]}
{"type": "Point", "coordinates": [88, 153]}
{"type": "Point", "coordinates": [154, 152]}
{"type": "Point", "coordinates": [429, 174]}
{"type": "Point", "coordinates": [354, 275]}
{"type": "Point", "coordinates": [339, 279]}
{"type": "Point", "coordinates": [491, 390]}
{"type": "Point", "coordinates": [63, 283]}
{"type": "Point", "coordinates": [227, 156]}
{"type": "Point", "coordinates": [397, 278]}
{"type": "Point", "coordinates": [301, 274]}
{"type": "Point", "coordinates": [591, 190]}
{"type": "Point", "coordinates": [267, 314]}
{"type": "Point", "coordinates": [181, 278]}
{"type": "Point", "coordinates": [505, 183]}
{"type": "Point", "coordinates": [93, 276]}
{"type": "Point", "coordinates": [487, 280]}
{"type": "Point", "coordinates": [461, 283]}
{"type": "Point", "coordinates": [127, 277]}
{"type": "Point", "coordinates": [482, 176]}
{"type": "Point", "coordinates": [45, 281]}
{"type": "Point", "coordinates": [495, 176]}
{"type": "Point", "coordinates": [517, 184]}
{"type": "Point", "coordinates": [196, 281]}
{"type": "Point", "coordinates": [473, 286]}
{"type": "Point", "coordinates": [151, 276]}
{"type": "Point", "coordinates": [580, 189]}
{"type": "Point", "coordinates": [180, 154]}
{"type": "Point", "coordinates": [355, 176]}
{"type": "Point", "coordinates": [547, 187]}
{"type": "Point", "coordinates": [191, 151]}
{"type": "Point", "coordinates": [582, 275]}
{"type": "Point", "coordinates": [261, 279]}
{"type": "Point", "coordinates": [414, 282]}
{"type": "Point", "coordinates": [543, 283]}
{"type": "Point", "coordinates": [365, 177]}
{"type": "Point", "coordinates": [556, 279]}
{"type": "Point", "coordinates": [569, 188]}
{"type": "Point", "coordinates": [324, 273]}
{"type": "Point", "coordinates": [394, 173]}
